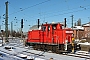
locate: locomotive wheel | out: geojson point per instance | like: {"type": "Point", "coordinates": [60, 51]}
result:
{"type": "Point", "coordinates": [54, 49]}
{"type": "Point", "coordinates": [49, 47]}
{"type": "Point", "coordinates": [41, 47]}
{"type": "Point", "coordinates": [62, 47]}
{"type": "Point", "coordinates": [35, 47]}
{"type": "Point", "coordinates": [38, 47]}
{"type": "Point", "coordinates": [44, 48]}
{"type": "Point", "coordinates": [57, 50]}
{"type": "Point", "coordinates": [69, 48]}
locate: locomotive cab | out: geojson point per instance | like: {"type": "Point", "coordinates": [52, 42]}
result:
{"type": "Point", "coordinates": [56, 34]}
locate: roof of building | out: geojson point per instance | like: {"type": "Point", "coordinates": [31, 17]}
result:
{"type": "Point", "coordinates": [78, 28]}
{"type": "Point", "coordinates": [86, 24]}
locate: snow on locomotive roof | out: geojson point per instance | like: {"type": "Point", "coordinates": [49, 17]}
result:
{"type": "Point", "coordinates": [57, 23]}
{"type": "Point", "coordinates": [35, 27]}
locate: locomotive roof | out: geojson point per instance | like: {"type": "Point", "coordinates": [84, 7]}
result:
{"type": "Point", "coordinates": [35, 27]}
{"type": "Point", "coordinates": [56, 23]}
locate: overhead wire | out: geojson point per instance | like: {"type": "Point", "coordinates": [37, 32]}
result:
{"type": "Point", "coordinates": [67, 12]}
{"type": "Point", "coordinates": [70, 9]}
{"type": "Point", "coordinates": [56, 11]}
{"type": "Point", "coordinates": [61, 11]}
{"type": "Point", "coordinates": [66, 9]}
{"type": "Point", "coordinates": [21, 12]}
{"type": "Point", "coordinates": [67, 4]}
{"type": "Point", "coordinates": [30, 7]}
{"type": "Point", "coordinates": [33, 6]}
{"type": "Point", "coordinates": [45, 12]}
{"type": "Point", "coordinates": [18, 20]}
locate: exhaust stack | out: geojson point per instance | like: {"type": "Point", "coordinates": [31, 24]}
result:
{"type": "Point", "coordinates": [38, 23]}
{"type": "Point", "coordinates": [65, 22]}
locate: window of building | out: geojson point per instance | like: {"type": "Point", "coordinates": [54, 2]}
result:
{"type": "Point", "coordinates": [88, 29]}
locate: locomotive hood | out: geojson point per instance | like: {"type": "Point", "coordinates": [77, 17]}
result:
{"type": "Point", "coordinates": [35, 27]}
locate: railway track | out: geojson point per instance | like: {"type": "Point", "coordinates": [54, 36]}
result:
{"type": "Point", "coordinates": [41, 54]}
{"type": "Point", "coordinates": [23, 55]}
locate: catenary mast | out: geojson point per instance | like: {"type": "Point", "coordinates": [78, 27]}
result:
{"type": "Point", "coordinates": [6, 22]}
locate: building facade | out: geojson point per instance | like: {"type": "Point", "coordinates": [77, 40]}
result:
{"type": "Point", "coordinates": [86, 30]}
{"type": "Point", "coordinates": [82, 31]}
{"type": "Point", "coordinates": [78, 32]}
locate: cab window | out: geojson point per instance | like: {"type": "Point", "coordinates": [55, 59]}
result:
{"type": "Point", "coordinates": [54, 27]}
{"type": "Point", "coordinates": [43, 28]}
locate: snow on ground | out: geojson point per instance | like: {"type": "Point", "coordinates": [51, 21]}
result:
{"type": "Point", "coordinates": [18, 51]}
{"type": "Point", "coordinates": [6, 56]}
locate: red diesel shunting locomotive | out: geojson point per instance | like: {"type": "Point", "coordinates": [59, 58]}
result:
{"type": "Point", "coordinates": [51, 37]}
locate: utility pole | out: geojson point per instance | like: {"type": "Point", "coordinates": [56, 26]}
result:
{"type": "Point", "coordinates": [0, 28]}
{"type": "Point", "coordinates": [72, 40]}
{"type": "Point", "coordinates": [21, 27]}
{"type": "Point", "coordinates": [0, 24]}
{"type": "Point", "coordinates": [12, 30]}
{"type": "Point", "coordinates": [6, 22]}
{"type": "Point", "coordinates": [72, 21]}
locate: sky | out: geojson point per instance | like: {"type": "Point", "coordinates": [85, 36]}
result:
{"type": "Point", "coordinates": [45, 10]}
